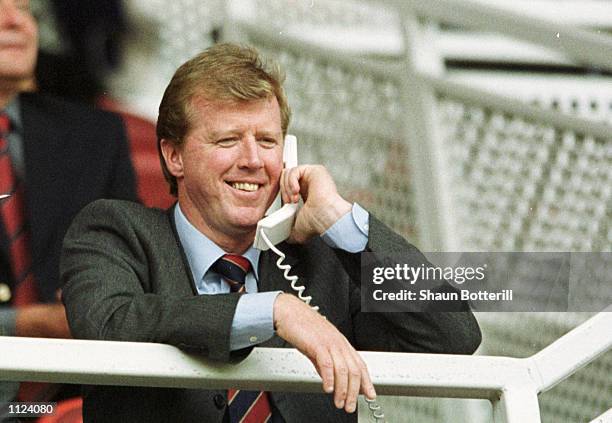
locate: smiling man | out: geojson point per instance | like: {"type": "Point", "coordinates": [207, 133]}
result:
{"type": "Point", "coordinates": [190, 276]}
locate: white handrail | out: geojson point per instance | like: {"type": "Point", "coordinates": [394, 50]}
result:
{"type": "Point", "coordinates": [573, 350]}
{"type": "Point", "coordinates": [606, 417]}
{"type": "Point", "coordinates": [586, 47]}
{"type": "Point", "coordinates": [147, 364]}
{"type": "Point", "coordinates": [505, 381]}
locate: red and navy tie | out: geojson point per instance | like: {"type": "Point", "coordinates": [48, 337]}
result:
{"type": "Point", "coordinates": [244, 406]}
{"type": "Point", "coordinates": [12, 210]}
{"type": "Point", "coordinates": [233, 269]}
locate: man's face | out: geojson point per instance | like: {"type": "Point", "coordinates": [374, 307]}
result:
{"type": "Point", "coordinates": [231, 164]}
{"type": "Point", "coordinates": [18, 40]}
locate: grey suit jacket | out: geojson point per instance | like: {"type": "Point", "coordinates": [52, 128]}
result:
{"type": "Point", "coordinates": [126, 278]}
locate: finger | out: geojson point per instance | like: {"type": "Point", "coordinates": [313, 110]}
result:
{"type": "Point", "coordinates": [288, 194]}
{"type": "Point", "coordinates": [291, 183]}
{"type": "Point", "coordinates": [340, 378]}
{"type": "Point", "coordinates": [325, 368]}
{"type": "Point", "coordinates": [367, 387]}
{"type": "Point", "coordinates": [354, 382]}
{"type": "Point", "coordinates": [281, 189]}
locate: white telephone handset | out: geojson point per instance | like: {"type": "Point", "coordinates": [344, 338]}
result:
{"type": "Point", "coordinates": [277, 225]}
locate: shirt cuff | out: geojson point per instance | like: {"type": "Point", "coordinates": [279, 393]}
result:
{"type": "Point", "coordinates": [350, 232]}
{"type": "Point", "coordinates": [7, 321]}
{"type": "Point", "coordinates": [254, 320]}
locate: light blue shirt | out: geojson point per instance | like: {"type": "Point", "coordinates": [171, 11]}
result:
{"type": "Point", "coordinates": [254, 319]}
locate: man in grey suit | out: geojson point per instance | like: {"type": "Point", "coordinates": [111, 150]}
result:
{"type": "Point", "coordinates": [137, 274]}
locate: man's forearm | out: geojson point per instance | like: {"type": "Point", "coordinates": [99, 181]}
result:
{"type": "Point", "coordinates": [41, 321]}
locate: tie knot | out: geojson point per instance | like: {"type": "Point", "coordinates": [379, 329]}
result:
{"type": "Point", "coordinates": [233, 269]}
{"type": "Point", "coordinates": [5, 124]}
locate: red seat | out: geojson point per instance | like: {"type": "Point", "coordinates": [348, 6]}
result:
{"type": "Point", "coordinates": [151, 185]}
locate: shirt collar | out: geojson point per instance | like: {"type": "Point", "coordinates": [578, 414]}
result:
{"type": "Point", "coordinates": [201, 252]}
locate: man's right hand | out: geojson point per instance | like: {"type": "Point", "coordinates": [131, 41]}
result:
{"type": "Point", "coordinates": [42, 321]}
{"type": "Point", "coordinates": [340, 366]}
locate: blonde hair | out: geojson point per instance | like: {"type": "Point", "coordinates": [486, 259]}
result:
{"type": "Point", "coordinates": [222, 73]}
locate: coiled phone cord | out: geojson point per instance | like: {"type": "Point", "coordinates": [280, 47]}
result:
{"type": "Point", "coordinates": [376, 413]}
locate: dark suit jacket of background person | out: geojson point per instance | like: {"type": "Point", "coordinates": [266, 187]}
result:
{"type": "Point", "coordinates": [116, 252]}
{"type": "Point", "coordinates": [73, 155]}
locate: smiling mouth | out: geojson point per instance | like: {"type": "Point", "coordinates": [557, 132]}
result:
{"type": "Point", "coordinates": [244, 186]}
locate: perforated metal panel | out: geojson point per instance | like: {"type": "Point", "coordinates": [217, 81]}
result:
{"type": "Point", "coordinates": [184, 28]}
{"type": "Point", "coordinates": [521, 186]}
{"type": "Point", "coordinates": [282, 14]}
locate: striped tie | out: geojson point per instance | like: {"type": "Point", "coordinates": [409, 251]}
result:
{"type": "Point", "coordinates": [12, 210]}
{"type": "Point", "coordinates": [243, 406]}
{"type": "Point", "coordinates": [233, 270]}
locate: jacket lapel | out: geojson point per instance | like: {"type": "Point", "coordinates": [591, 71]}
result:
{"type": "Point", "coordinates": [177, 239]}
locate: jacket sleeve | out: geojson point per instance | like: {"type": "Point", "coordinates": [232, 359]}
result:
{"type": "Point", "coordinates": [448, 332]}
{"type": "Point", "coordinates": [124, 280]}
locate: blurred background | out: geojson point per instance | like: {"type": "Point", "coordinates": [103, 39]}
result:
{"type": "Point", "coordinates": [465, 126]}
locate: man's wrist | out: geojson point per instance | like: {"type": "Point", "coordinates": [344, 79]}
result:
{"type": "Point", "coordinates": [350, 233]}
{"type": "Point", "coordinates": [253, 321]}
{"type": "Point", "coordinates": [332, 213]}
{"type": "Point", "coordinates": [282, 304]}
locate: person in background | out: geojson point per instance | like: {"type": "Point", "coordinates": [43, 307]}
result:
{"type": "Point", "coordinates": [191, 277]}
{"type": "Point", "coordinates": [55, 157]}
{"type": "Point", "coordinates": [83, 45]}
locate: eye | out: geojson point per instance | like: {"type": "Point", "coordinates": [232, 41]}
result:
{"type": "Point", "coordinates": [227, 142]}
{"type": "Point", "coordinates": [267, 142]}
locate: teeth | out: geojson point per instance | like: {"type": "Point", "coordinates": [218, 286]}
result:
{"type": "Point", "coordinates": [245, 186]}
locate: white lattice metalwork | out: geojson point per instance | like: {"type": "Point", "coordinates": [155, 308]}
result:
{"type": "Point", "coordinates": [524, 186]}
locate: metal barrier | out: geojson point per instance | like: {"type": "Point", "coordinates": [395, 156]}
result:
{"type": "Point", "coordinates": [511, 384]}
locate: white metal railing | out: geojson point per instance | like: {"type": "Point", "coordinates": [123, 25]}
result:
{"type": "Point", "coordinates": [583, 46]}
{"type": "Point", "coordinates": [511, 384]}
{"type": "Point", "coordinates": [604, 418]}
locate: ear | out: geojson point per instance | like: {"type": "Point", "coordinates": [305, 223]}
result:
{"type": "Point", "coordinates": [173, 157]}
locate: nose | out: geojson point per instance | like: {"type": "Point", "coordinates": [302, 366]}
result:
{"type": "Point", "coordinates": [249, 154]}
{"type": "Point", "coordinates": [10, 14]}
